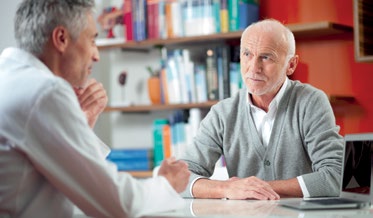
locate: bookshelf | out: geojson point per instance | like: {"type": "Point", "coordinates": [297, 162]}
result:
{"type": "Point", "coordinates": [301, 31]}
{"type": "Point", "coordinates": [363, 22]}
{"type": "Point", "coordinates": [158, 107]}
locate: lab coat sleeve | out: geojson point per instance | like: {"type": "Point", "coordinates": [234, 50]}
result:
{"type": "Point", "coordinates": [63, 148]}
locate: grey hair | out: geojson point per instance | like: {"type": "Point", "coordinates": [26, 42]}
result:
{"type": "Point", "coordinates": [269, 25]}
{"type": "Point", "coordinates": [36, 19]}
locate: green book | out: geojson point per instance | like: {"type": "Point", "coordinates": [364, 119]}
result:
{"type": "Point", "coordinates": [158, 140]}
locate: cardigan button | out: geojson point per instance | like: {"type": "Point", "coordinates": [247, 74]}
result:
{"type": "Point", "coordinates": [267, 163]}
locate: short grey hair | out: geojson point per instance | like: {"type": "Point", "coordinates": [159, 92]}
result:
{"type": "Point", "coordinates": [36, 19]}
{"type": "Point", "coordinates": [269, 25]}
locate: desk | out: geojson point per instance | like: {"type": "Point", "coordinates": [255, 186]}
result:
{"type": "Point", "coordinates": [253, 208]}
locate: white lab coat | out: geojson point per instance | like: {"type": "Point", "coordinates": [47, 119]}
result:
{"type": "Point", "coordinates": [51, 160]}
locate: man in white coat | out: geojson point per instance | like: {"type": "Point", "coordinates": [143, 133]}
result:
{"type": "Point", "coordinates": [50, 159]}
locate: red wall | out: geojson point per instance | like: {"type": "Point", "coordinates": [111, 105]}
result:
{"type": "Point", "coordinates": [329, 63]}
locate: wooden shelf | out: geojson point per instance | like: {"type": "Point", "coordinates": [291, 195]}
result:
{"type": "Point", "coordinates": [140, 174]}
{"type": "Point", "coordinates": [345, 105]}
{"type": "Point", "coordinates": [148, 108]}
{"type": "Point", "coordinates": [340, 104]}
{"type": "Point", "coordinates": [301, 31]}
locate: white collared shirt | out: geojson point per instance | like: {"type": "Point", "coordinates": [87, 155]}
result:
{"type": "Point", "coordinates": [263, 120]}
{"type": "Point", "coordinates": [264, 123]}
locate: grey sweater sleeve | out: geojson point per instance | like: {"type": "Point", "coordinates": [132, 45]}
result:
{"type": "Point", "coordinates": [324, 146]}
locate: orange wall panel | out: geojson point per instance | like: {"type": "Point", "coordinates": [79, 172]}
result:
{"type": "Point", "coordinates": [329, 63]}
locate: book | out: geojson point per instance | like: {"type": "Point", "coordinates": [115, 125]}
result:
{"type": "Point", "coordinates": [233, 15]}
{"type": "Point", "coordinates": [158, 140]}
{"type": "Point", "coordinates": [248, 12]}
{"type": "Point", "coordinates": [127, 19]}
{"type": "Point", "coordinates": [130, 153]}
{"type": "Point", "coordinates": [162, 24]}
{"type": "Point", "coordinates": [216, 15]}
{"type": "Point", "coordinates": [133, 164]}
{"type": "Point", "coordinates": [139, 19]}
{"type": "Point", "coordinates": [189, 76]}
{"type": "Point", "coordinates": [132, 159]}
{"type": "Point", "coordinates": [212, 75]}
{"type": "Point", "coordinates": [168, 17]}
{"type": "Point", "coordinates": [173, 81]}
{"type": "Point", "coordinates": [182, 77]}
{"type": "Point", "coordinates": [191, 13]}
{"type": "Point", "coordinates": [152, 9]}
{"type": "Point", "coordinates": [177, 19]}
{"type": "Point", "coordinates": [200, 83]}
{"type": "Point", "coordinates": [208, 20]}
{"type": "Point", "coordinates": [224, 18]}
{"type": "Point", "coordinates": [234, 75]}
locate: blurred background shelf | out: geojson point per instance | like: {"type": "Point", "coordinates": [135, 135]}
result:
{"type": "Point", "coordinates": [148, 108]}
{"type": "Point", "coordinates": [300, 30]}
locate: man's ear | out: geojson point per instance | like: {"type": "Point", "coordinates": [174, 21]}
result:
{"type": "Point", "coordinates": [293, 62]}
{"type": "Point", "coordinates": [60, 38]}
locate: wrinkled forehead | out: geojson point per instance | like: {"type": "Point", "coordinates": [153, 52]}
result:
{"type": "Point", "coordinates": [262, 38]}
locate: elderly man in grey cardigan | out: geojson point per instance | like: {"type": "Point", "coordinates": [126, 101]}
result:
{"type": "Point", "coordinates": [279, 137]}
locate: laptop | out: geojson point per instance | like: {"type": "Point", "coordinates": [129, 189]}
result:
{"type": "Point", "coordinates": [357, 178]}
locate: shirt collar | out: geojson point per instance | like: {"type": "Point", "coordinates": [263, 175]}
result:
{"type": "Point", "coordinates": [277, 98]}
{"type": "Point", "coordinates": [24, 57]}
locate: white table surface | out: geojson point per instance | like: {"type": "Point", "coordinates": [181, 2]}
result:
{"type": "Point", "coordinates": [254, 208]}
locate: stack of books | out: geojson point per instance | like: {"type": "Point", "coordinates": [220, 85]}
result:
{"type": "Point", "coordinates": [132, 159]}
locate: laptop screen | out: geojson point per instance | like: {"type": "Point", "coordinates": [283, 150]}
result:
{"type": "Point", "coordinates": [357, 166]}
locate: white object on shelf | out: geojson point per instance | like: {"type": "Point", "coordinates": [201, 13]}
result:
{"type": "Point", "coordinates": [111, 41]}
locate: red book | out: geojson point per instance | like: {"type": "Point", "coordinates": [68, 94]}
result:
{"type": "Point", "coordinates": [127, 19]}
{"type": "Point", "coordinates": [150, 6]}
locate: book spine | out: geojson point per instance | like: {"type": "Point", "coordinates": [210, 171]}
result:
{"type": "Point", "coordinates": [162, 24]}
{"type": "Point", "coordinates": [128, 22]}
{"type": "Point", "coordinates": [158, 140]}
{"type": "Point", "coordinates": [150, 5]}
{"type": "Point", "coordinates": [212, 75]}
{"type": "Point", "coordinates": [248, 13]}
{"type": "Point", "coordinates": [234, 75]}
{"type": "Point", "coordinates": [200, 81]}
{"type": "Point", "coordinates": [167, 150]}
{"type": "Point", "coordinates": [174, 95]}
{"type": "Point", "coordinates": [156, 20]}
{"type": "Point", "coordinates": [169, 22]}
{"type": "Point", "coordinates": [216, 14]}
{"type": "Point", "coordinates": [189, 75]}
{"type": "Point", "coordinates": [233, 15]}
{"type": "Point", "coordinates": [224, 18]}
{"type": "Point", "coordinates": [139, 10]}
{"type": "Point", "coordinates": [208, 19]}
{"type": "Point", "coordinates": [130, 154]}
{"type": "Point", "coordinates": [177, 19]}
{"type": "Point", "coordinates": [180, 68]}
{"type": "Point", "coordinates": [133, 165]}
